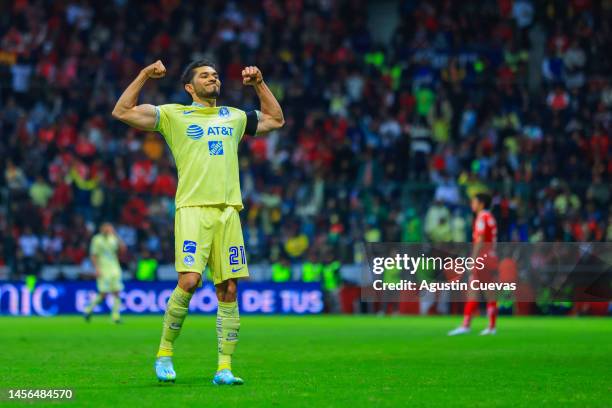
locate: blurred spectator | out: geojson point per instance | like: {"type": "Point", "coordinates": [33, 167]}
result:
{"type": "Point", "coordinates": [53, 245]}
{"type": "Point", "coordinates": [146, 268]}
{"type": "Point", "coordinates": [312, 268]}
{"type": "Point", "coordinates": [442, 232]}
{"type": "Point", "coordinates": [412, 230]}
{"type": "Point", "coordinates": [28, 253]}
{"type": "Point", "coordinates": [40, 192]}
{"type": "Point", "coordinates": [14, 177]}
{"type": "Point", "coordinates": [281, 270]}
{"type": "Point", "coordinates": [437, 215]}
{"type": "Point", "coordinates": [331, 283]}
{"type": "Point", "coordinates": [296, 243]}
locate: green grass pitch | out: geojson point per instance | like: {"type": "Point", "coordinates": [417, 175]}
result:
{"type": "Point", "coordinates": [317, 361]}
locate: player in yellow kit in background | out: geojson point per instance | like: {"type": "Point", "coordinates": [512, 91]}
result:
{"type": "Point", "coordinates": [203, 139]}
{"type": "Point", "coordinates": [103, 252]}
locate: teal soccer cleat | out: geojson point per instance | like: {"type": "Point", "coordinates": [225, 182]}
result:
{"type": "Point", "coordinates": [164, 369]}
{"type": "Point", "coordinates": [225, 377]}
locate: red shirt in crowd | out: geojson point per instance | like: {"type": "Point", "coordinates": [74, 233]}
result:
{"type": "Point", "coordinates": [165, 184]}
{"type": "Point", "coordinates": [141, 175]}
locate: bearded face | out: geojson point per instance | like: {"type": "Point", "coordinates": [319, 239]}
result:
{"type": "Point", "coordinates": [205, 83]}
{"type": "Point", "coordinates": [208, 91]}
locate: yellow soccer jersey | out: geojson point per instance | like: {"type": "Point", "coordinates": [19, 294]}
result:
{"type": "Point", "coordinates": [105, 248]}
{"type": "Point", "coordinates": [204, 143]}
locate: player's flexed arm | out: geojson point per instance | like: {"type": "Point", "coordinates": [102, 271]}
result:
{"type": "Point", "coordinates": [271, 113]}
{"type": "Point", "coordinates": [138, 116]}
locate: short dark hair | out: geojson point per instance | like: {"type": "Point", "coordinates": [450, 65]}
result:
{"type": "Point", "coordinates": [484, 198]}
{"type": "Point", "coordinates": [188, 73]}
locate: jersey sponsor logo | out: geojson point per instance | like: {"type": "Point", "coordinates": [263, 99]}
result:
{"type": "Point", "coordinates": [234, 270]}
{"type": "Point", "coordinates": [220, 131]}
{"type": "Point", "coordinates": [224, 112]}
{"type": "Point", "coordinates": [215, 147]}
{"type": "Point", "coordinates": [189, 247]}
{"type": "Point", "coordinates": [189, 260]}
{"type": "Point", "coordinates": [188, 112]}
{"type": "Point", "coordinates": [195, 132]}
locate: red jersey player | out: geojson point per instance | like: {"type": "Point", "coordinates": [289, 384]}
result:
{"type": "Point", "coordinates": [484, 236]}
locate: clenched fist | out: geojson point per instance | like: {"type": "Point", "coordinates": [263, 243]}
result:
{"type": "Point", "coordinates": [251, 76]}
{"type": "Point", "coordinates": [155, 70]}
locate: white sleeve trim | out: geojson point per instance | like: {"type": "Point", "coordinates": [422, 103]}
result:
{"type": "Point", "coordinates": [157, 115]}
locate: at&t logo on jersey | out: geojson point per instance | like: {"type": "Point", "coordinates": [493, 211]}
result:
{"type": "Point", "coordinates": [224, 112]}
{"type": "Point", "coordinates": [220, 131]}
{"type": "Point", "coordinates": [189, 247]}
{"type": "Point", "coordinates": [195, 132]}
{"type": "Point", "coordinates": [215, 147]}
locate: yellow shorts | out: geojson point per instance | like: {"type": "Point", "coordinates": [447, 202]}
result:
{"type": "Point", "coordinates": [213, 236]}
{"type": "Point", "coordinates": [109, 283]}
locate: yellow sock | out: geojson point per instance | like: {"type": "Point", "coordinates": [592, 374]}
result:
{"type": "Point", "coordinates": [98, 299]}
{"type": "Point", "coordinates": [177, 308]}
{"type": "Point", "coordinates": [228, 326]}
{"type": "Point", "coordinates": [115, 313]}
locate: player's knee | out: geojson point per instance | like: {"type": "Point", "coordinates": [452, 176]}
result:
{"type": "Point", "coordinates": [230, 295]}
{"type": "Point", "coordinates": [189, 281]}
{"type": "Point", "coordinates": [227, 291]}
{"type": "Point", "coordinates": [232, 290]}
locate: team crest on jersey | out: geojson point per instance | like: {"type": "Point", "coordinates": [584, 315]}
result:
{"type": "Point", "coordinates": [215, 147]}
{"type": "Point", "coordinates": [188, 260]}
{"type": "Point", "coordinates": [224, 112]}
{"type": "Point", "coordinates": [195, 132]}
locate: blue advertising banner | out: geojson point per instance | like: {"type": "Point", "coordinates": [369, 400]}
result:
{"type": "Point", "coordinates": [56, 298]}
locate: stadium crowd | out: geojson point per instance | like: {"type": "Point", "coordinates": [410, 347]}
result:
{"type": "Point", "coordinates": [383, 142]}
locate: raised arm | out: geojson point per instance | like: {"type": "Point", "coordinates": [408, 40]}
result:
{"type": "Point", "coordinates": [271, 112]}
{"type": "Point", "coordinates": [139, 116]}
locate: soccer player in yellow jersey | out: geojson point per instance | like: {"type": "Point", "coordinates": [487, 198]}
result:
{"type": "Point", "coordinates": [203, 139]}
{"type": "Point", "coordinates": [103, 253]}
